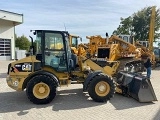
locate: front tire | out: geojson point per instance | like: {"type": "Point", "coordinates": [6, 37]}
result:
{"type": "Point", "coordinates": [41, 89]}
{"type": "Point", "coordinates": [101, 88]}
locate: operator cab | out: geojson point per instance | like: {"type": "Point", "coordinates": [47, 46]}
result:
{"type": "Point", "coordinates": [52, 49]}
{"type": "Point", "coordinates": [127, 38]}
{"type": "Point", "coordinates": [74, 41]}
{"type": "Point", "coordinates": [144, 43]}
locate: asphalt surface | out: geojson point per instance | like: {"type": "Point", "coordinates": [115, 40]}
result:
{"type": "Point", "coordinates": [71, 103]}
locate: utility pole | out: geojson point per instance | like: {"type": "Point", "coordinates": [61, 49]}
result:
{"type": "Point", "coordinates": [151, 30]}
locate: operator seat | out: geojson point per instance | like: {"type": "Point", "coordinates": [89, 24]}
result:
{"type": "Point", "coordinates": [73, 61]}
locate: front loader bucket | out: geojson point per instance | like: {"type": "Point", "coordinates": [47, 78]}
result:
{"type": "Point", "coordinates": [142, 90]}
{"type": "Point", "coordinates": [136, 86]}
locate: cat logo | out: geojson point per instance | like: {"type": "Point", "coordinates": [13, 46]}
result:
{"type": "Point", "coordinates": [26, 67]}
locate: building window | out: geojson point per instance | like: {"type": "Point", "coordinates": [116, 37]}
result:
{"type": "Point", "coordinates": [5, 47]}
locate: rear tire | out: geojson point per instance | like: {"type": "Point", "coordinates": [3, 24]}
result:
{"type": "Point", "coordinates": [101, 88]}
{"type": "Point", "coordinates": [41, 89]}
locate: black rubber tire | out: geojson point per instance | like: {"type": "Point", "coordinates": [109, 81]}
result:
{"type": "Point", "coordinates": [93, 83]}
{"type": "Point", "coordinates": [37, 79]}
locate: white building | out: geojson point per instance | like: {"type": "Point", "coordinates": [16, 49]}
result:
{"type": "Point", "coordinates": [8, 21]}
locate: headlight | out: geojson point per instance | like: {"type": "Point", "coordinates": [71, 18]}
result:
{"type": "Point", "coordinates": [95, 55]}
{"type": "Point", "coordinates": [15, 83]}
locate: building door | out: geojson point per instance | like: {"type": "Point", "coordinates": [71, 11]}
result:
{"type": "Point", "coordinates": [5, 49]}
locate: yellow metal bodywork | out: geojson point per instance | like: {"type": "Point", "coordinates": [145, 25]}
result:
{"type": "Point", "coordinates": [94, 43]}
{"type": "Point", "coordinates": [82, 49]}
{"type": "Point", "coordinates": [13, 78]}
{"type": "Point", "coordinates": [87, 63]}
{"type": "Point", "coordinates": [63, 77]}
{"type": "Point", "coordinates": [151, 36]}
{"type": "Point", "coordinates": [21, 76]}
{"type": "Point", "coordinates": [17, 76]}
{"type": "Point", "coordinates": [118, 47]}
{"type": "Point", "coordinates": [74, 49]}
{"type": "Point", "coordinates": [151, 30]}
{"type": "Point", "coordinates": [145, 52]}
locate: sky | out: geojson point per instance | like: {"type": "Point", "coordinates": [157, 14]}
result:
{"type": "Point", "coordinates": [78, 17]}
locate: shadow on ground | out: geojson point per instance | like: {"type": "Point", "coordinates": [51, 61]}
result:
{"type": "Point", "coordinates": [14, 101]}
{"type": "Point", "coordinates": [65, 100]}
{"type": "Point", "coordinates": [121, 102]}
{"type": "Point", "coordinates": [73, 99]}
{"type": "Point", "coordinates": [157, 68]}
{"type": "Point", "coordinates": [3, 75]}
{"type": "Point", "coordinates": [157, 116]}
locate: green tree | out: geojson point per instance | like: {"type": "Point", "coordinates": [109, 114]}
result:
{"type": "Point", "coordinates": [125, 26]}
{"type": "Point", "coordinates": [22, 42]}
{"type": "Point", "coordinates": [139, 24]}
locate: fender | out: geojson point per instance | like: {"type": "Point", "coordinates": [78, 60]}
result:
{"type": "Point", "coordinates": [89, 77]}
{"type": "Point", "coordinates": [41, 72]}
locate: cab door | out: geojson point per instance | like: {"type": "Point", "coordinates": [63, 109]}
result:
{"type": "Point", "coordinates": [55, 54]}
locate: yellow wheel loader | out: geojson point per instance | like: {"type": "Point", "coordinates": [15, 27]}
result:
{"type": "Point", "coordinates": [115, 49]}
{"type": "Point", "coordinates": [73, 42]}
{"type": "Point", "coordinates": [76, 47]}
{"type": "Point", "coordinates": [54, 65]}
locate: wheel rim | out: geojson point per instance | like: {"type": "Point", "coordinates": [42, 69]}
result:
{"type": "Point", "coordinates": [41, 90]}
{"type": "Point", "coordinates": [102, 88]}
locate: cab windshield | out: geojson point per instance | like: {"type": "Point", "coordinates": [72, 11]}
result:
{"type": "Point", "coordinates": [53, 41]}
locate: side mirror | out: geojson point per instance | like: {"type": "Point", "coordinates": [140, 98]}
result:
{"type": "Point", "coordinates": [34, 33]}
{"type": "Point", "coordinates": [80, 39]}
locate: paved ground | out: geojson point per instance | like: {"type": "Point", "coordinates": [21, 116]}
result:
{"type": "Point", "coordinates": [71, 103]}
